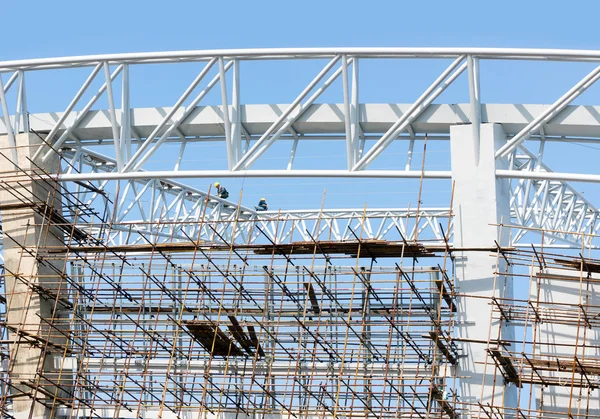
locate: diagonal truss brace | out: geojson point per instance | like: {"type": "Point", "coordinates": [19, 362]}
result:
{"type": "Point", "coordinates": [549, 113]}
{"type": "Point", "coordinates": [265, 141]}
{"type": "Point", "coordinates": [147, 148]}
{"type": "Point", "coordinates": [432, 92]}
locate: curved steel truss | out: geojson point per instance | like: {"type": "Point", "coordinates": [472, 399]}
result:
{"type": "Point", "coordinates": [104, 138]}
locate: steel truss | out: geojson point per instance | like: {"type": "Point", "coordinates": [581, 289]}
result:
{"type": "Point", "coordinates": [166, 210]}
{"type": "Point", "coordinates": [550, 205]}
{"type": "Point", "coordinates": [174, 212]}
{"type": "Point", "coordinates": [541, 198]}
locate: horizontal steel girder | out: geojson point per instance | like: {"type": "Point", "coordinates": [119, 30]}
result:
{"type": "Point", "coordinates": [323, 121]}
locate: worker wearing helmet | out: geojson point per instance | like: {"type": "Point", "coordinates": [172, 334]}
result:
{"type": "Point", "coordinates": [221, 191]}
{"type": "Point", "coordinates": [262, 205]}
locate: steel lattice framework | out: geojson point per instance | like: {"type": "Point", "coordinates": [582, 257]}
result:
{"type": "Point", "coordinates": [541, 198]}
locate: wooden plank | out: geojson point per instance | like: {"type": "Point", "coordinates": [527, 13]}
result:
{"type": "Point", "coordinates": [447, 297]}
{"type": "Point", "coordinates": [377, 248]}
{"type": "Point", "coordinates": [313, 297]}
{"type": "Point", "coordinates": [443, 349]}
{"type": "Point", "coordinates": [17, 205]}
{"type": "Point", "coordinates": [255, 342]}
{"type": "Point", "coordinates": [39, 388]}
{"type": "Point", "coordinates": [588, 265]}
{"type": "Point", "coordinates": [59, 221]}
{"type": "Point", "coordinates": [37, 341]}
{"type": "Point", "coordinates": [510, 373]}
{"type": "Point", "coordinates": [206, 334]}
{"type": "Point", "coordinates": [446, 407]}
{"type": "Point", "coordinates": [566, 365]}
{"type": "Point", "coordinates": [239, 335]}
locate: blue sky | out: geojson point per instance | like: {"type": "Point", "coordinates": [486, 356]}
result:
{"type": "Point", "coordinates": [42, 28]}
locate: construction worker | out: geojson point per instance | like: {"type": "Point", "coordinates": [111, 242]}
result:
{"type": "Point", "coordinates": [262, 205]}
{"type": "Point", "coordinates": [221, 191]}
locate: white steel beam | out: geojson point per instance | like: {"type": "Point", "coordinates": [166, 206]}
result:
{"type": "Point", "coordinates": [475, 100]}
{"type": "Point", "coordinates": [21, 116]}
{"type": "Point", "coordinates": [83, 114]}
{"type": "Point", "coordinates": [411, 147]}
{"type": "Point", "coordinates": [70, 107]}
{"type": "Point", "coordinates": [139, 158]}
{"type": "Point", "coordinates": [549, 113]}
{"type": "Point", "coordinates": [565, 177]}
{"type": "Point", "coordinates": [354, 115]}
{"type": "Point", "coordinates": [125, 114]}
{"type": "Point", "coordinates": [11, 80]}
{"type": "Point", "coordinates": [413, 112]}
{"type": "Point", "coordinates": [113, 117]}
{"type": "Point", "coordinates": [7, 123]}
{"type": "Point", "coordinates": [182, 174]}
{"type": "Point", "coordinates": [326, 121]}
{"type": "Point", "coordinates": [226, 122]}
{"type": "Point", "coordinates": [292, 154]}
{"type": "Point", "coordinates": [264, 138]}
{"type": "Point", "coordinates": [347, 113]}
{"type": "Point", "coordinates": [236, 111]}
{"type": "Point", "coordinates": [303, 53]}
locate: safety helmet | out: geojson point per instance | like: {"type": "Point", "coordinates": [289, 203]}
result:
{"type": "Point", "coordinates": [262, 199]}
{"type": "Point", "coordinates": [217, 184]}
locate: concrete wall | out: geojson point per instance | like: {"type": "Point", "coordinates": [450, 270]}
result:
{"type": "Point", "coordinates": [23, 225]}
{"type": "Point", "coordinates": [567, 289]}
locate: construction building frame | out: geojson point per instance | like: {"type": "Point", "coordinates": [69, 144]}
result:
{"type": "Point", "coordinates": [128, 293]}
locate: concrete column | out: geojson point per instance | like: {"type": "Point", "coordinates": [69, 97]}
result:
{"type": "Point", "coordinates": [480, 200]}
{"type": "Point", "coordinates": [30, 314]}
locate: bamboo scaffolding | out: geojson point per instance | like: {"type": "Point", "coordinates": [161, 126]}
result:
{"type": "Point", "coordinates": [297, 329]}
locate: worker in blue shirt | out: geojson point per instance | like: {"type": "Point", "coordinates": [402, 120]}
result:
{"type": "Point", "coordinates": [221, 191]}
{"type": "Point", "coordinates": [262, 205]}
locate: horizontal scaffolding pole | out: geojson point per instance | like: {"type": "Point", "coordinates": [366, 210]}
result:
{"type": "Point", "coordinates": [244, 366]}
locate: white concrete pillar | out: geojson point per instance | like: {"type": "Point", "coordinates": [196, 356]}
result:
{"type": "Point", "coordinates": [480, 201]}
{"type": "Point", "coordinates": [28, 313]}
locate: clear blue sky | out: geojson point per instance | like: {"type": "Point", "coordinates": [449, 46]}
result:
{"type": "Point", "coordinates": [50, 28]}
{"type": "Point", "coordinates": [57, 28]}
